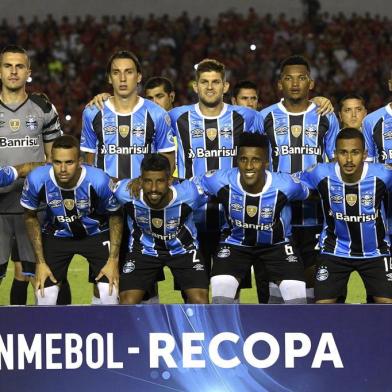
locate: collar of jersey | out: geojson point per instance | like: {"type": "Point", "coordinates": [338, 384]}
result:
{"type": "Point", "coordinates": [81, 178]}
{"type": "Point", "coordinates": [267, 184]}
{"type": "Point", "coordinates": [135, 109]}
{"type": "Point", "coordinates": [198, 111]}
{"type": "Point", "coordinates": [364, 172]}
{"type": "Point", "coordinates": [160, 209]}
{"type": "Point", "coordinates": [283, 109]}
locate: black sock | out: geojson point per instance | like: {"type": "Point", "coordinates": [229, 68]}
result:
{"type": "Point", "coordinates": [64, 297]}
{"type": "Point", "coordinates": [18, 294]}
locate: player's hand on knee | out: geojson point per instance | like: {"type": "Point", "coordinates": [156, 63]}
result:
{"type": "Point", "coordinates": [99, 100]}
{"type": "Point", "coordinates": [324, 105]}
{"type": "Point", "coordinates": [42, 272]}
{"type": "Point", "coordinates": [134, 187]}
{"type": "Point", "coordinates": [110, 270]}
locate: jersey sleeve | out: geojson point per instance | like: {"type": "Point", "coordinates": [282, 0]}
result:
{"type": "Point", "coordinates": [367, 130]}
{"type": "Point", "coordinates": [309, 177]}
{"type": "Point", "coordinates": [120, 191]}
{"type": "Point", "coordinates": [211, 182]}
{"type": "Point", "coordinates": [107, 200]}
{"type": "Point", "coordinates": [88, 137]}
{"type": "Point", "coordinates": [198, 196]}
{"type": "Point", "coordinates": [330, 137]}
{"type": "Point", "coordinates": [297, 190]}
{"type": "Point", "coordinates": [258, 124]}
{"type": "Point", "coordinates": [51, 128]}
{"type": "Point", "coordinates": [8, 175]}
{"type": "Point", "coordinates": [30, 194]}
{"type": "Point", "coordinates": [164, 134]}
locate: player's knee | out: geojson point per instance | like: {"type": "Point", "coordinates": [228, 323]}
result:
{"type": "Point", "coordinates": [224, 288]}
{"type": "Point", "coordinates": [382, 300]}
{"type": "Point", "coordinates": [198, 296]}
{"type": "Point", "coordinates": [131, 297]}
{"type": "Point", "coordinates": [105, 296]}
{"type": "Point", "coordinates": [49, 297]}
{"type": "Point", "coordinates": [293, 291]}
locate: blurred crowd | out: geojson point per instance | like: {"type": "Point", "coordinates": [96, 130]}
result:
{"type": "Point", "coordinates": [348, 54]}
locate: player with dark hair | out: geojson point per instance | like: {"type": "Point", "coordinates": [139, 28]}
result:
{"type": "Point", "coordinates": [162, 233]}
{"type": "Point", "coordinates": [245, 94]}
{"type": "Point", "coordinates": [299, 137]}
{"type": "Point", "coordinates": [207, 133]}
{"type": "Point", "coordinates": [255, 202]}
{"type": "Point", "coordinates": [78, 200]}
{"type": "Point", "coordinates": [354, 235]}
{"type": "Point", "coordinates": [352, 111]}
{"type": "Point", "coordinates": [29, 124]}
{"type": "Point", "coordinates": [161, 91]}
{"type": "Point", "coordinates": [117, 137]}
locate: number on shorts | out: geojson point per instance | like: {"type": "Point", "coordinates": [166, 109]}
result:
{"type": "Point", "coordinates": [317, 246]}
{"type": "Point", "coordinates": [288, 249]}
{"type": "Point", "coordinates": [388, 263]}
{"type": "Point", "coordinates": [194, 256]}
{"type": "Point", "coordinates": [106, 243]}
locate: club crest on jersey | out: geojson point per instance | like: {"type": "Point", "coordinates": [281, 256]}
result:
{"type": "Point", "coordinates": [296, 130]}
{"type": "Point", "coordinates": [367, 200]}
{"type": "Point", "coordinates": [123, 130]}
{"type": "Point", "coordinates": [69, 204]}
{"type": "Point", "coordinates": [387, 135]}
{"type": "Point", "coordinates": [211, 133]}
{"type": "Point", "coordinates": [251, 210]}
{"type": "Point", "coordinates": [138, 130]}
{"type": "Point", "coordinates": [157, 222]}
{"type": "Point", "coordinates": [311, 131]}
{"type": "Point", "coordinates": [172, 223]}
{"type": "Point", "coordinates": [351, 199]}
{"type": "Point", "coordinates": [226, 132]}
{"type": "Point", "coordinates": [31, 122]}
{"type": "Point", "coordinates": [14, 124]}
{"type": "Point", "coordinates": [266, 212]}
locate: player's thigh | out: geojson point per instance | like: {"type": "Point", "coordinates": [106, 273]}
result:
{"type": "Point", "coordinates": [232, 260]}
{"type": "Point", "coordinates": [306, 242]}
{"type": "Point", "coordinates": [376, 274]}
{"type": "Point", "coordinates": [282, 262]}
{"type": "Point", "coordinates": [24, 249]}
{"type": "Point", "coordinates": [96, 250]}
{"type": "Point", "coordinates": [138, 271]}
{"type": "Point", "coordinates": [58, 253]}
{"type": "Point", "coordinates": [332, 276]}
{"type": "Point", "coordinates": [208, 245]}
{"type": "Point", "coordinates": [6, 237]}
{"type": "Point", "coordinates": [189, 270]}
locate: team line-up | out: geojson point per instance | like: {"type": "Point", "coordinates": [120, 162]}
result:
{"type": "Point", "coordinates": [287, 191]}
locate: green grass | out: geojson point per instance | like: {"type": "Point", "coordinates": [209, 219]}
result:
{"type": "Point", "coordinates": [82, 290]}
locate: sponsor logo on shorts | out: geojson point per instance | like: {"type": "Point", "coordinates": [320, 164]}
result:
{"type": "Point", "coordinates": [55, 203]}
{"type": "Point", "coordinates": [223, 253]}
{"type": "Point", "coordinates": [198, 267]}
{"type": "Point", "coordinates": [292, 259]}
{"type": "Point", "coordinates": [128, 267]}
{"type": "Point", "coordinates": [389, 277]}
{"type": "Point", "coordinates": [322, 274]}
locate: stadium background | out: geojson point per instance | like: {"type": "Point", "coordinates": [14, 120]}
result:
{"type": "Point", "coordinates": [348, 44]}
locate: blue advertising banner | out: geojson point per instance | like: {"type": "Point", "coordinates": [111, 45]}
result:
{"type": "Point", "coordinates": [196, 348]}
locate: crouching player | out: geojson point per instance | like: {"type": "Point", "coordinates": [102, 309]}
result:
{"type": "Point", "coordinates": [354, 234]}
{"type": "Point", "coordinates": [78, 200]}
{"type": "Point", "coordinates": [255, 202]}
{"type": "Point", "coordinates": [162, 233]}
